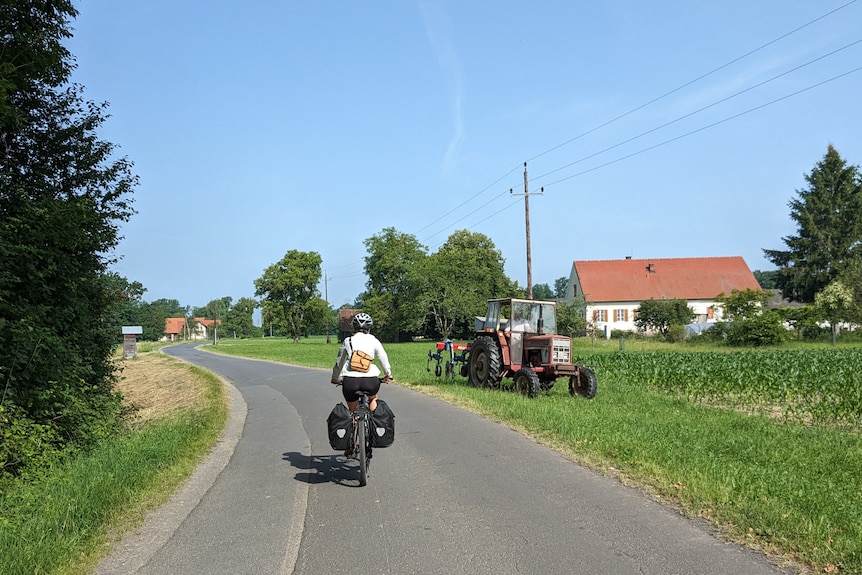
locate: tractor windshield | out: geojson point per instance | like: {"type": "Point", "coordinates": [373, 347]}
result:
{"type": "Point", "coordinates": [548, 314]}
{"type": "Point", "coordinates": [533, 317]}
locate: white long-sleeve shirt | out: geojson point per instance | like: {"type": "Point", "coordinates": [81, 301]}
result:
{"type": "Point", "coordinates": [370, 345]}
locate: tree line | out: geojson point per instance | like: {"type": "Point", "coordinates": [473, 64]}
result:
{"type": "Point", "coordinates": [409, 291]}
{"type": "Point", "coordinates": [234, 318]}
{"type": "Point", "coordinates": [64, 194]}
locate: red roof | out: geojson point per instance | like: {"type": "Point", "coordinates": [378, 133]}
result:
{"type": "Point", "coordinates": [174, 324]}
{"type": "Point", "coordinates": [662, 278]}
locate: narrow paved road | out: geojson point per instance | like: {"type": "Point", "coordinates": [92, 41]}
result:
{"type": "Point", "coordinates": [456, 493]}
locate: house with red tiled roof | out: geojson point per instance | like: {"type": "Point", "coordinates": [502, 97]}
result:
{"type": "Point", "coordinates": [174, 328]}
{"type": "Point", "coordinates": [177, 328]}
{"type": "Point", "coordinates": [612, 290]}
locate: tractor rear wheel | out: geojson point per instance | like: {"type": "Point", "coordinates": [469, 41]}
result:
{"type": "Point", "coordinates": [527, 382]}
{"type": "Point", "coordinates": [484, 364]}
{"type": "Point", "coordinates": [584, 385]}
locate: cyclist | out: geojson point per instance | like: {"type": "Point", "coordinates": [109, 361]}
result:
{"type": "Point", "coordinates": [352, 380]}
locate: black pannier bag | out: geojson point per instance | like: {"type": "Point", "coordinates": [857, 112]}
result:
{"type": "Point", "coordinates": [382, 425]}
{"type": "Point", "coordinates": [340, 425]}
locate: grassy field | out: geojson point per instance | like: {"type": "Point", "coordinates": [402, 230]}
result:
{"type": "Point", "coordinates": [790, 487]}
{"type": "Point", "coordinates": [64, 523]}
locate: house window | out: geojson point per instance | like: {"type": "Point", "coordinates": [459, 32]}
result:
{"type": "Point", "coordinates": [621, 315]}
{"type": "Point", "coordinates": [600, 315]}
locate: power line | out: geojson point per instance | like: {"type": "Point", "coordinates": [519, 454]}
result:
{"type": "Point", "coordinates": [468, 200]}
{"type": "Point", "coordinates": [665, 142]}
{"type": "Point", "coordinates": [703, 128]}
{"type": "Point", "coordinates": [633, 110]}
{"type": "Point", "coordinates": [712, 105]}
{"type": "Point", "coordinates": [687, 84]}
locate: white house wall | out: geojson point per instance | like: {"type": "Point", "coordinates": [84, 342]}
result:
{"type": "Point", "coordinates": [622, 315]}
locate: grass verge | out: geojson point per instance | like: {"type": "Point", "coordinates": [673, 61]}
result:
{"type": "Point", "coordinates": [790, 490]}
{"type": "Point", "coordinates": [64, 523]}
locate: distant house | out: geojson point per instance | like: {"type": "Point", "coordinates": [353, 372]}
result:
{"type": "Point", "coordinates": [175, 328]}
{"type": "Point", "coordinates": [345, 325]}
{"type": "Point", "coordinates": [613, 290]}
{"type": "Point", "coordinates": [195, 329]}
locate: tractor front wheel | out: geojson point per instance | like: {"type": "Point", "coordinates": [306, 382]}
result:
{"type": "Point", "coordinates": [484, 364]}
{"type": "Point", "coordinates": [527, 382]}
{"type": "Point", "coordinates": [584, 385]}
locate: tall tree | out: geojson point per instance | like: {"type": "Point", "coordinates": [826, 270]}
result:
{"type": "Point", "coordinates": [392, 260]}
{"type": "Point", "coordinates": [456, 282]}
{"type": "Point", "coordinates": [63, 195]}
{"type": "Point", "coordinates": [834, 303]}
{"type": "Point", "coordinates": [561, 286]}
{"type": "Point", "coordinates": [239, 320]}
{"type": "Point", "coordinates": [216, 311]}
{"type": "Point", "coordinates": [542, 291]}
{"type": "Point", "coordinates": [291, 285]}
{"type": "Point", "coordinates": [828, 215]}
{"type": "Point", "coordinates": [126, 302]}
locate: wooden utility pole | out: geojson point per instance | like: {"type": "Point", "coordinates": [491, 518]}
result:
{"type": "Point", "coordinates": [527, 218]}
{"type": "Point", "coordinates": [326, 295]}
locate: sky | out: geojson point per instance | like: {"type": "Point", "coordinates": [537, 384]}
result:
{"type": "Point", "coordinates": [649, 129]}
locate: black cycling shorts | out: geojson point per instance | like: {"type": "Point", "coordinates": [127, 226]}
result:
{"type": "Point", "coordinates": [350, 385]}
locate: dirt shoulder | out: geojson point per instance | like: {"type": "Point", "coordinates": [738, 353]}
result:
{"type": "Point", "coordinates": [156, 384]}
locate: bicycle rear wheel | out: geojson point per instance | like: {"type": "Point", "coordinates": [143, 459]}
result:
{"type": "Point", "coordinates": [362, 454]}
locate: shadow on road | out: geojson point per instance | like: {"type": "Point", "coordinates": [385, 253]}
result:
{"type": "Point", "coordinates": [317, 469]}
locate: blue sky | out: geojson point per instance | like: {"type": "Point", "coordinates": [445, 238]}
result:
{"type": "Point", "coordinates": [657, 129]}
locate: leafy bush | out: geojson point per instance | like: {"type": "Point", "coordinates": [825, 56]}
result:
{"type": "Point", "coordinates": [660, 315]}
{"type": "Point", "coordinates": [675, 333]}
{"type": "Point", "coordinates": [25, 444]}
{"type": "Point", "coordinates": [716, 334]}
{"type": "Point", "coordinates": [757, 331]}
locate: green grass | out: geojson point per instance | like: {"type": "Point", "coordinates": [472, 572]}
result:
{"type": "Point", "coordinates": [61, 524]}
{"type": "Point", "coordinates": [792, 489]}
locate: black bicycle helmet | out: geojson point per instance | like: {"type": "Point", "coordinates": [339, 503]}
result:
{"type": "Point", "coordinates": [362, 321]}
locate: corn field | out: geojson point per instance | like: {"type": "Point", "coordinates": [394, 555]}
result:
{"type": "Point", "coordinates": [821, 386]}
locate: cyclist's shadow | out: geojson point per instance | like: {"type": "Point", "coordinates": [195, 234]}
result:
{"type": "Point", "coordinates": [315, 469]}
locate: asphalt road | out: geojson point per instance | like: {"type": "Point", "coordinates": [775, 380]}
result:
{"type": "Point", "coordinates": [456, 493]}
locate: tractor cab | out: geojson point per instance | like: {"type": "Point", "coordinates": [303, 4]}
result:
{"type": "Point", "coordinates": [520, 320]}
{"type": "Point", "coordinates": [527, 316]}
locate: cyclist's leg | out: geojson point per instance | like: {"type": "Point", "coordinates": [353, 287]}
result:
{"type": "Point", "coordinates": [371, 386]}
{"type": "Point", "coordinates": [349, 387]}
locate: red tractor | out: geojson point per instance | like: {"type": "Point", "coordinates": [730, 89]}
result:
{"type": "Point", "coordinates": [524, 353]}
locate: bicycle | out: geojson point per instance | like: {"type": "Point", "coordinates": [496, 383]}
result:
{"type": "Point", "coordinates": [362, 436]}
{"type": "Point", "coordinates": [362, 440]}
